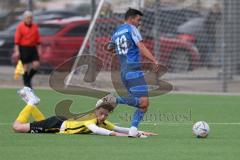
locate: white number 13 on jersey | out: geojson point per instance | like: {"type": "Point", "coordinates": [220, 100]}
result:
{"type": "Point", "coordinates": [122, 45]}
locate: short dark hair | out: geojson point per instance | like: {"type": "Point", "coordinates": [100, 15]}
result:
{"type": "Point", "coordinates": [132, 13]}
{"type": "Point", "coordinates": [108, 107]}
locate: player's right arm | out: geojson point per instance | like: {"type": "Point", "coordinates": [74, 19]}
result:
{"type": "Point", "coordinates": [110, 47]}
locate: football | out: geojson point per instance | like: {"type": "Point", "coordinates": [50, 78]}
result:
{"type": "Point", "coordinates": [201, 129]}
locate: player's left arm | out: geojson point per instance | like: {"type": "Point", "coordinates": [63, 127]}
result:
{"type": "Point", "coordinates": [144, 51]}
{"type": "Point", "coordinates": [124, 130]}
{"type": "Point", "coordinates": [148, 133]}
{"type": "Point", "coordinates": [137, 38]}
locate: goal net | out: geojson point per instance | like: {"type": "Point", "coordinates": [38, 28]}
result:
{"type": "Point", "coordinates": [186, 36]}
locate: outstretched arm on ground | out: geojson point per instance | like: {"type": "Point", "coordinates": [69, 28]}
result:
{"type": "Point", "coordinates": [102, 131]}
{"type": "Point", "coordinates": [126, 130]}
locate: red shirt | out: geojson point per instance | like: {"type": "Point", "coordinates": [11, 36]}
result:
{"type": "Point", "coordinates": [27, 35]}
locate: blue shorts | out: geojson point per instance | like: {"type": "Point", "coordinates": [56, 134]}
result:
{"type": "Point", "coordinates": [135, 84]}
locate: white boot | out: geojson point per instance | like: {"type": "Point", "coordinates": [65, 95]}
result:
{"type": "Point", "coordinates": [28, 96]}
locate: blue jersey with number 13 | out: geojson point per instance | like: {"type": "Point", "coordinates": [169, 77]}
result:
{"type": "Point", "coordinates": [126, 37]}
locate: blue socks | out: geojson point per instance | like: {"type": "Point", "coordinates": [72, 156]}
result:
{"type": "Point", "coordinates": [137, 117]}
{"type": "Point", "coordinates": [131, 101]}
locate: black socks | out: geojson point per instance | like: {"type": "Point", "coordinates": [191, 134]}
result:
{"type": "Point", "coordinates": [27, 77]}
{"type": "Point", "coordinates": [32, 73]}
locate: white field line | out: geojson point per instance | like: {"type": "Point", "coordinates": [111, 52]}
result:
{"type": "Point", "coordinates": [172, 92]}
{"type": "Point", "coordinates": [187, 123]}
{"type": "Point", "coordinates": [152, 123]}
{"type": "Point", "coordinates": [205, 93]}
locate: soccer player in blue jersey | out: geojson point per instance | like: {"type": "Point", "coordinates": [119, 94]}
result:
{"type": "Point", "coordinates": [130, 48]}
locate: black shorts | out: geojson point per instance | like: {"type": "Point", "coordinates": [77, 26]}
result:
{"type": "Point", "coordinates": [28, 54]}
{"type": "Point", "coordinates": [49, 125]}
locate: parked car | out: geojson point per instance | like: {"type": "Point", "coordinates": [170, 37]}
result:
{"type": "Point", "coordinates": [7, 35]}
{"type": "Point", "coordinates": [62, 39]}
{"type": "Point", "coordinates": [194, 31]}
{"type": "Point", "coordinates": [177, 53]}
{"type": "Point", "coordinates": [43, 15]}
{"type": "Point", "coordinates": [7, 18]}
{"type": "Point", "coordinates": [168, 19]}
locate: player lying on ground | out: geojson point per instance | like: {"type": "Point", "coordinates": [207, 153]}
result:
{"type": "Point", "coordinates": [94, 122]}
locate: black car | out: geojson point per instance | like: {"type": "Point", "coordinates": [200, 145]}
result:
{"type": "Point", "coordinates": [195, 32]}
{"type": "Point", "coordinates": [202, 32]}
{"type": "Point", "coordinates": [168, 20]}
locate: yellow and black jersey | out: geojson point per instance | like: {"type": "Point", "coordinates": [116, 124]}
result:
{"type": "Point", "coordinates": [79, 126]}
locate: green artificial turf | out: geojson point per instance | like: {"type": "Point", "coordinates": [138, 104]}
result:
{"type": "Point", "coordinates": [169, 115]}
